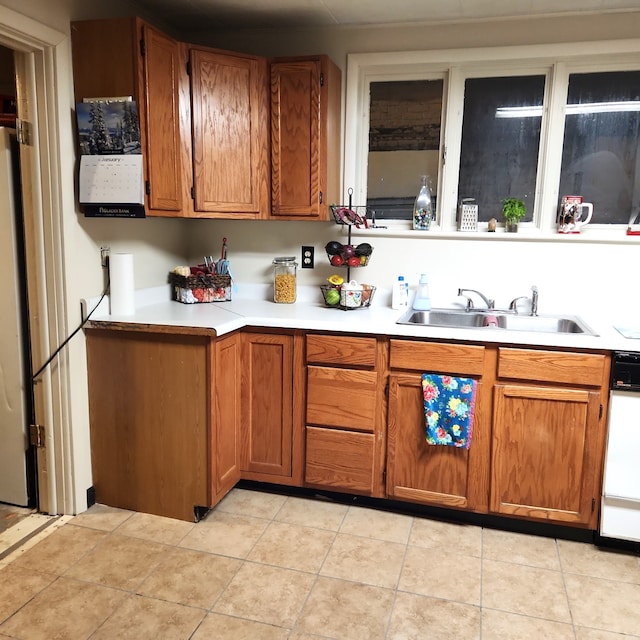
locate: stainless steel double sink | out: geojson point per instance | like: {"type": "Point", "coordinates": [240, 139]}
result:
{"type": "Point", "coordinates": [495, 319]}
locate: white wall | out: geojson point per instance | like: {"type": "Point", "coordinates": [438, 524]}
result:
{"type": "Point", "coordinates": [572, 277]}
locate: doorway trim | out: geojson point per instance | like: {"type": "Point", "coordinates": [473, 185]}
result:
{"type": "Point", "coordinates": [43, 60]}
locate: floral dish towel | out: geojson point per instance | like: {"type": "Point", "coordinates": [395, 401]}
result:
{"type": "Point", "coordinates": [449, 405]}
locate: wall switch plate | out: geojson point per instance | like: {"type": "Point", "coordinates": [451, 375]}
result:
{"type": "Point", "coordinates": [307, 257]}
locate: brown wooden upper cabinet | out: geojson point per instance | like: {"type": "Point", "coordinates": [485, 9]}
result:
{"type": "Point", "coordinates": [229, 106]}
{"type": "Point", "coordinates": [305, 137]}
{"type": "Point", "coordinates": [203, 116]}
{"type": "Point", "coordinates": [128, 57]}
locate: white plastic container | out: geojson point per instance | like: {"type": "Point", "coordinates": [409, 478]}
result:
{"type": "Point", "coordinates": [422, 301]}
{"type": "Point", "coordinates": [351, 294]}
{"type": "Point", "coordinates": [400, 294]}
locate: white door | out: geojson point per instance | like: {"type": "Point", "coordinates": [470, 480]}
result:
{"type": "Point", "coordinates": [13, 407]}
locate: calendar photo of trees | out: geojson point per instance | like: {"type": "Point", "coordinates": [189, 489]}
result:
{"type": "Point", "coordinates": [108, 127]}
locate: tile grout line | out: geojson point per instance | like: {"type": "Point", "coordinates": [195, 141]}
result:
{"type": "Point", "coordinates": [395, 590]}
{"type": "Point", "coordinates": [317, 573]}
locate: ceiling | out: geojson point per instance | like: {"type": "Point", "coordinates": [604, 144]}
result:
{"type": "Point", "coordinates": [200, 15]}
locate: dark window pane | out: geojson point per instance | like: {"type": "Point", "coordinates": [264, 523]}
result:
{"type": "Point", "coordinates": [500, 142]}
{"type": "Point", "coordinates": [404, 143]}
{"type": "Point", "coordinates": [601, 152]}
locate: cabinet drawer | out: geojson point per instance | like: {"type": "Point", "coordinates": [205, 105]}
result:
{"type": "Point", "coordinates": [341, 398]}
{"type": "Point", "coordinates": [437, 357]}
{"type": "Point", "coordinates": [340, 459]}
{"type": "Point", "coordinates": [583, 369]}
{"type": "Point", "coordinates": [341, 350]}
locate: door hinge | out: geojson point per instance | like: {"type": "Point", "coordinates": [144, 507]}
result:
{"type": "Point", "coordinates": [147, 187]}
{"type": "Point", "coordinates": [444, 154]}
{"type": "Point", "coordinates": [36, 435]}
{"type": "Point", "coordinates": [188, 67]}
{"type": "Point", "coordinates": [193, 193]}
{"type": "Point", "coordinates": [23, 132]}
{"type": "Point", "coordinates": [593, 504]}
{"type": "Point", "coordinates": [320, 197]}
{"type": "Point", "coordinates": [601, 411]}
{"type": "Point", "coordinates": [386, 389]}
{"type": "Point", "coordinates": [143, 48]}
{"type": "Point", "coordinates": [322, 79]}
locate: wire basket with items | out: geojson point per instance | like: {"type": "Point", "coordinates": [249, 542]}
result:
{"type": "Point", "coordinates": [350, 215]}
{"type": "Point", "coordinates": [347, 255]}
{"type": "Point", "coordinates": [346, 295]}
{"type": "Point", "coordinates": [206, 282]}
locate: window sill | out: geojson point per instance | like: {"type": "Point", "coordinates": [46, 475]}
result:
{"type": "Point", "coordinates": [597, 234]}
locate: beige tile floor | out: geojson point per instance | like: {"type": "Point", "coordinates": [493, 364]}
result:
{"type": "Point", "coordinates": [270, 567]}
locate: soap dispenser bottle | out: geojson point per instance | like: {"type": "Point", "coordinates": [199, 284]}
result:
{"type": "Point", "coordinates": [422, 301]}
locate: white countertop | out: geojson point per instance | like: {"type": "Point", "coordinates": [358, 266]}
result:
{"type": "Point", "coordinates": [254, 308]}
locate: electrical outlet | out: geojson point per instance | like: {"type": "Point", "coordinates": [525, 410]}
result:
{"type": "Point", "coordinates": [307, 257]}
{"type": "Point", "coordinates": [104, 257]}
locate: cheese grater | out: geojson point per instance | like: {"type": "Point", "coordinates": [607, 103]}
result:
{"type": "Point", "coordinates": [468, 215]}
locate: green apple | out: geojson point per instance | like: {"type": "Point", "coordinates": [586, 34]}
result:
{"type": "Point", "coordinates": [332, 296]}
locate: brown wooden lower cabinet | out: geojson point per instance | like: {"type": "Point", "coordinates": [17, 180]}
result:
{"type": "Point", "coordinates": [270, 446]}
{"type": "Point", "coordinates": [224, 444]}
{"type": "Point", "coordinates": [345, 410]}
{"type": "Point", "coordinates": [178, 418]}
{"type": "Point", "coordinates": [548, 439]}
{"type": "Point", "coordinates": [161, 441]}
{"type": "Point", "coordinates": [340, 460]}
{"type": "Point", "coordinates": [434, 474]}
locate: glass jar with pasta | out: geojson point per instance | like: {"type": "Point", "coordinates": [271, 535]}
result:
{"type": "Point", "coordinates": [284, 279]}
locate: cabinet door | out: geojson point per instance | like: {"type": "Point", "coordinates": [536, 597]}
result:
{"type": "Point", "coordinates": [230, 134]}
{"type": "Point", "coordinates": [267, 406]}
{"type": "Point", "coordinates": [436, 475]}
{"type": "Point", "coordinates": [545, 453]}
{"type": "Point", "coordinates": [161, 57]}
{"type": "Point", "coordinates": [127, 57]}
{"type": "Point", "coordinates": [148, 411]}
{"type": "Point", "coordinates": [225, 421]}
{"type": "Point", "coordinates": [305, 137]}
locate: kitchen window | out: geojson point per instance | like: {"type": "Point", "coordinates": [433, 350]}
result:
{"type": "Point", "coordinates": [532, 122]}
{"type": "Point", "coordinates": [601, 149]}
{"type": "Point", "coordinates": [499, 155]}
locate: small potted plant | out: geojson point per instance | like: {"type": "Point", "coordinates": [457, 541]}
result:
{"type": "Point", "coordinates": [513, 211]}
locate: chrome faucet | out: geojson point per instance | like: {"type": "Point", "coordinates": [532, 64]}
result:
{"type": "Point", "coordinates": [463, 292]}
{"type": "Point", "coordinates": [513, 305]}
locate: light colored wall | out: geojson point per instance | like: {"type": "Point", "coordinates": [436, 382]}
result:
{"type": "Point", "coordinates": [571, 276]}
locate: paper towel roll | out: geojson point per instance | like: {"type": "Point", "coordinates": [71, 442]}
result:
{"type": "Point", "coordinates": [122, 292]}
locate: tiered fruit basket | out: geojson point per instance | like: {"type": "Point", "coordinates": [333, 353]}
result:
{"type": "Point", "coordinates": [339, 293]}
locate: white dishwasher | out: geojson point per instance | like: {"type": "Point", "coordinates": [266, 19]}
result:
{"type": "Point", "coordinates": [620, 509]}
